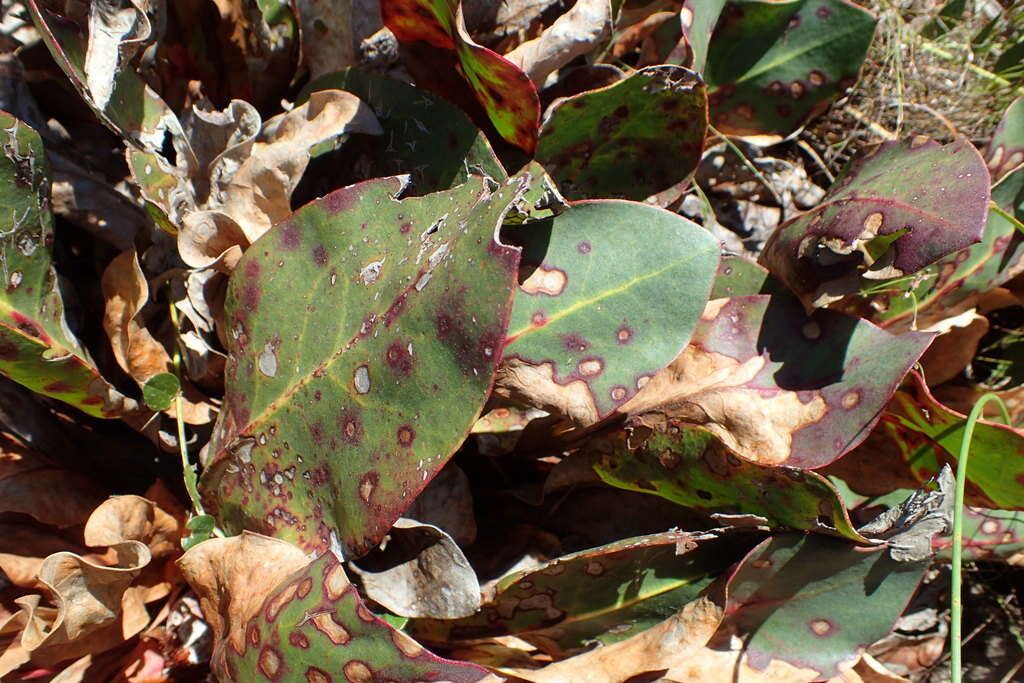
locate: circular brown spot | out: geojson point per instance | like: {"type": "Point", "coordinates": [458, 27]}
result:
{"type": "Point", "coordinates": [618, 393]}
{"type": "Point", "coordinates": [336, 582]}
{"type": "Point", "coordinates": [594, 568]}
{"type": "Point", "coordinates": [406, 436]}
{"type": "Point", "coordinates": [816, 78]}
{"type": "Point", "coordinates": [761, 564]}
{"type": "Point", "coordinates": [796, 90]}
{"type": "Point", "coordinates": [270, 662]}
{"type": "Point", "coordinates": [590, 367]}
{"type": "Point", "coordinates": [873, 222]}
{"type": "Point", "coordinates": [357, 672]}
{"type": "Point", "coordinates": [315, 675]}
{"type": "Point", "coordinates": [990, 526]}
{"type": "Point", "coordinates": [851, 399]}
{"type": "Point", "coordinates": [624, 334]}
{"type": "Point", "coordinates": [821, 627]}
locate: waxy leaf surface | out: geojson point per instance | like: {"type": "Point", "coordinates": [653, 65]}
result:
{"type": "Point", "coordinates": [423, 136]}
{"type": "Point", "coordinates": [606, 594]}
{"type": "Point", "coordinates": [596, 315]}
{"type": "Point", "coordinates": [697, 20]}
{"type": "Point", "coordinates": [443, 59]}
{"type": "Point", "coordinates": [816, 602]}
{"type": "Point", "coordinates": [631, 139]}
{"type": "Point", "coordinates": [772, 65]}
{"type": "Point", "coordinates": [889, 214]}
{"type": "Point", "coordinates": [989, 535]}
{"type": "Point", "coordinates": [928, 434]}
{"type": "Point", "coordinates": [692, 467]}
{"type": "Point", "coordinates": [363, 336]}
{"type": "Point", "coordinates": [779, 387]}
{"type": "Point", "coordinates": [315, 623]}
{"type": "Point", "coordinates": [37, 348]}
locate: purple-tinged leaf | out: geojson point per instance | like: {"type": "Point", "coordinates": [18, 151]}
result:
{"type": "Point", "coordinates": [631, 139]}
{"type": "Point", "coordinates": [595, 317]}
{"type": "Point", "coordinates": [816, 602]}
{"type": "Point", "coordinates": [363, 332]}
{"type": "Point", "coordinates": [779, 387]}
{"type": "Point", "coordinates": [444, 59]}
{"type": "Point", "coordinates": [888, 215]}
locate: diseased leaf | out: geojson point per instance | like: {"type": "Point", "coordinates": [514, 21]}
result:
{"type": "Point", "coordinates": [779, 387]}
{"type": "Point", "coordinates": [285, 618]}
{"type": "Point", "coordinates": [116, 93]}
{"type": "Point", "coordinates": [423, 135]}
{"type": "Point", "coordinates": [1005, 152]}
{"type": "Point", "coordinates": [989, 535]}
{"type": "Point", "coordinates": [739, 276]}
{"type": "Point", "coordinates": [328, 43]}
{"type": "Point", "coordinates": [594, 316]}
{"type": "Point", "coordinates": [630, 139]}
{"type": "Point", "coordinates": [443, 59]}
{"type": "Point", "coordinates": [37, 349]}
{"type": "Point", "coordinates": [773, 65]}
{"type": "Point", "coordinates": [927, 435]}
{"type": "Point", "coordinates": [563, 605]}
{"type": "Point", "coordinates": [888, 215]}
{"type": "Point", "coordinates": [697, 19]}
{"type": "Point", "coordinates": [347, 324]}
{"type": "Point", "coordinates": [794, 591]}
{"type": "Point", "coordinates": [692, 467]}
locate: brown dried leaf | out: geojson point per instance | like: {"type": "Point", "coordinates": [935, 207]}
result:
{"type": "Point", "coordinates": [585, 26]}
{"type": "Point", "coordinates": [126, 292]}
{"type": "Point", "coordinates": [259, 193]}
{"type": "Point", "coordinates": [953, 350]}
{"type": "Point", "coordinates": [232, 577]}
{"type": "Point", "coordinates": [670, 644]}
{"type": "Point", "coordinates": [328, 42]}
{"type": "Point", "coordinates": [31, 484]}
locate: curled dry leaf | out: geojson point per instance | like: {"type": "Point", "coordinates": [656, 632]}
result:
{"type": "Point", "coordinates": [258, 194]}
{"type": "Point", "coordinates": [328, 42]}
{"type": "Point", "coordinates": [420, 572]}
{"type": "Point", "coordinates": [577, 32]}
{"type": "Point", "coordinates": [126, 292]}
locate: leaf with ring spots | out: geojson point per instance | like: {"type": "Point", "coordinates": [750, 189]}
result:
{"type": "Point", "coordinates": [777, 386]}
{"type": "Point", "coordinates": [770, 66]}
{"type": "Point", "coordinates": [363, 336]}
{"type": "Point", "coordinates": [599, 311]}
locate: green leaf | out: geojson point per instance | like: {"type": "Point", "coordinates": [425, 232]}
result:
{"type": "Point", "coordinates": [1005, 151]}
{"type": "Point", "coordinates": [201, 528]}
{"type": "Point", "coordinates": [37, 349]}
{"type": "Point", "coordinates": [363, 335]}
{"type": "Point", "coordinates": [631, 139]}
{"type": "Point", "coordinates": [602, 594]}
{"type": "Point", "coordinates": [315, 623]}
{"type": "Point", "coordinates": [160, 390]}
{"type": "Point", "coordinates": [935, 195]}
{"type": "Point", "coordinates": [773, 65]}
{"type": "Point", "coordinates": [596, 313]}
{"type": "Point", "coordinates": [928, 434]}
{"type": "Point", "coordinates": [698, 19]}
{"type": "Point", "coordinates": [814, 601]}
{"type": "Point", "coordinates": [691, 467]}
{"type": "Point", "coordinates": [443, 59]}
{"type": "Point", "coordinates": [424, 136]}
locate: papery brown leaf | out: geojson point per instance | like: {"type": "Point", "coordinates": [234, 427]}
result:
{"type": "Point", "coordinates": [91, 615]}
{"type": "Point", "coordinates": [32, 484]}
{"type": "Point", "coordinates": [577, 32]}
{"type": "Point", "coordinates": [232, 577]}
{"type": "Point", "coordinates": [126, 291]}
{"type": "Point", "coordinates": [328, 42]}
{"type": "Point", "coordinates": [24, 546]}
{"type": "Point", "coordinates": [670, 643]}
{"type": "Point", "coordinates": [954, 350]}
{"type": "Point", "coordinates": [259, 193]}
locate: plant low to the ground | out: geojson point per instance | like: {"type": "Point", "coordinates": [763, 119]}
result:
{"type": "Point", "coordinates": [542, 341]}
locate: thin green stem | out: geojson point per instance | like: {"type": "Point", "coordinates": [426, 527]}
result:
{"type": "Point", "coordinates": [188, 469]}
{"type": "Point", "coordinates": [956, 588]}
{"type": "Point", "coordinates": [750, 165]}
